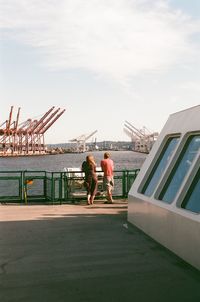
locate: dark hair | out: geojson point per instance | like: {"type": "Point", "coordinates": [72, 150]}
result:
{"type": "Point", "coordinates": [106, 155]}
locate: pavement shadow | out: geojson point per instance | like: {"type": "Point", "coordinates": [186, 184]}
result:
{"type": "Point", "coordinates": [89, 257]}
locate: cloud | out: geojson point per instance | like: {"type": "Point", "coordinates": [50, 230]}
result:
{"type": "Point", "coordinates": [113, 38]}
{"type": "Point", "coordinates": [191, 86]}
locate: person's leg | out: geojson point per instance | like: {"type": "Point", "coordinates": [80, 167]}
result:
{"type": "Point", "coordinates": [93, 190]}
{"type": "Point", "coordinates": [88, 198]}
{"type": "Point", "coordinates": [110, 184]}
{"type": "Point", "coordinates": [108, 188]}
{"type": "Point", "coordinates": [88, 188]}
{"type": "Point", "coordinates": [109, 194]}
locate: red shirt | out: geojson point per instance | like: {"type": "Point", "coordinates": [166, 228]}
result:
{"type": "Point", "coordinates": [107, 167]}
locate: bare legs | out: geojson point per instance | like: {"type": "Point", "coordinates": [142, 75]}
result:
{"type": "Point", "coordinates": [92, 199]}
{"type": "Point", "coordinates": [88, 198]}
{"type": "Point", "coordinates": [93, 190]}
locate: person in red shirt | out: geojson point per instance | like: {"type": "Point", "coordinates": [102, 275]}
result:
{"type": "Point", "coordinates": [107, 167]}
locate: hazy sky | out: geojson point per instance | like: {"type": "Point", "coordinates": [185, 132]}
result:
{"type": "Point", "coordinates": [104, 61]}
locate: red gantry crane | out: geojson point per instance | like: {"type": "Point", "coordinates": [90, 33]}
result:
{"type": "Point", "coordinates": [26, 138]}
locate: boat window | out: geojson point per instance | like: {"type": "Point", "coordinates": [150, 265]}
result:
{"type": "Point", "coordinates": [192, 199]}
{"type": "Point", "coordinates": [160, 166]}
{"type": "Point", "coordinates": [180, 169]}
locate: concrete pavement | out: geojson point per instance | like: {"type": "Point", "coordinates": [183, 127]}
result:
{"type": "Point", "coordinates": [79, 253]}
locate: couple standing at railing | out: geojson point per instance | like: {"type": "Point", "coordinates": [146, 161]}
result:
{"type": "Point", "coordinates": [91, 180]}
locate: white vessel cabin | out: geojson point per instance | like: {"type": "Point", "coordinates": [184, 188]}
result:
{"type": "Point", "coordinates": [164, 201]}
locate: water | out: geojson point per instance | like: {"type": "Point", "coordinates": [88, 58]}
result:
{"type": "Point", "coordinates": [123, 160]}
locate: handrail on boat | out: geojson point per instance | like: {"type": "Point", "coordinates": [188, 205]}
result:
{"type": "Point", "coordinates": [57, 187]}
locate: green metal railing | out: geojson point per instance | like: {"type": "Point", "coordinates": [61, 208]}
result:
{"type": "Point", "coordinates": [57, 187]}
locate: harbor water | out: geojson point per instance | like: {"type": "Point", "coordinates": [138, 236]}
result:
{"type": "Point", "coordinates": [123, 160]}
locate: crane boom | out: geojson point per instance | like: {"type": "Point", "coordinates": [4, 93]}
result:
{"type": "Point", "coordinates": [130, 134]}
{"type": "Point", "coordinates": [53, 121]}
{"type": "Point", "coordinates": [38, 130]}
{"type": "Point", "coordinates": [17, 120]}
{"type": "Point", "coordinates": [140, 132]}
{"type": "Point", "coordinates": [87, 137]}
{"type": "Point", "coordinates": [133, 131]}
{"type": "Point", "coordinates": [9, 120]}
{"type": "Point", "coordinates": [43, 117]}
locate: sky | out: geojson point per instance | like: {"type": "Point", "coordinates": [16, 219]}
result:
{"type": "Point", "coordinates": [104, 61]}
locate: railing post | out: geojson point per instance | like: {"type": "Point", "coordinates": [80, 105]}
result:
{"type": "Point", "coordinates": [129, 181]}
{"type": "Point", "coordinates": [21, 185]}
{"type": "Point", "coordinates": [52, 188]}
{"type": "Point", "coordinates": [45, 185]}
{"type": "Point", "coordinates": [60, 187]}
{"type": "Point", "coordinates": [24, 184]}
{"type": "Point", "coordinates": [124, 184]}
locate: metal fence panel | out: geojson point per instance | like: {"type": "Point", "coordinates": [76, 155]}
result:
{"type": "Point", "coordinates": [60, 187]}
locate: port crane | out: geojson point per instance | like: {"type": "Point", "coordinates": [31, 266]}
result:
{"type": "Point", "coordinates": [26, 138]}
{"type": "Point", "coordinates": [142, 139]}
{"type": "Point", "coordinates": [81, 141]}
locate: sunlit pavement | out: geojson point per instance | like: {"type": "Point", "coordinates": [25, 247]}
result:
{"type": "Point", "coordinates": [76, 252]}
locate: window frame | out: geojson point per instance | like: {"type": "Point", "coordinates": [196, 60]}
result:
{"type": "Point", "coordinates": [173, 168]}
{"type": "Point", "coordinates": [155, 163]}
{"type": "Point", "coordinates": [191, 183]}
